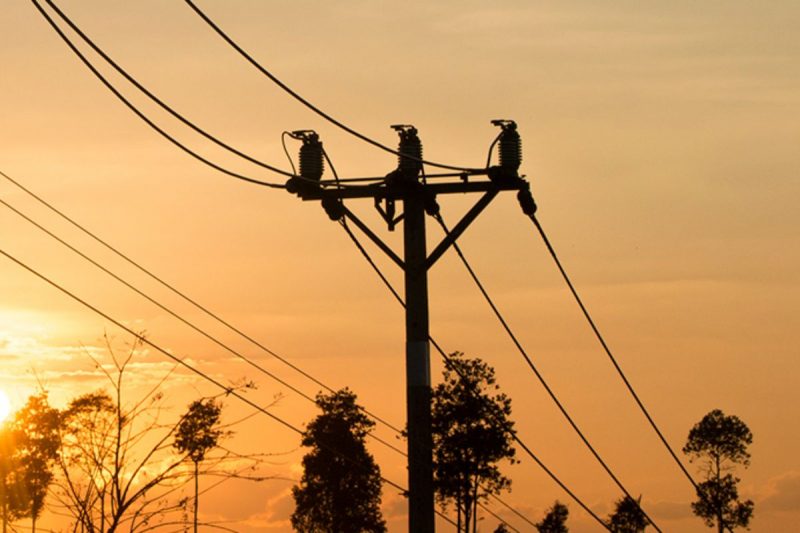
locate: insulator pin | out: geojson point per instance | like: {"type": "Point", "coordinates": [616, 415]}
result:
{"type": "Point", "coordinates": [510, 145]}
{"type": "Point", "coordinates": [409, 160]}
{"type": "Point", "coordinates": [312, 163]}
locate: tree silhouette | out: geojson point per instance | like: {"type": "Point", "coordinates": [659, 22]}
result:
{"type": "Point", "coordinates": [628, 516]}
{"type": "Point", "coordinates": [472, 433]}
{"type": "Point", "coordinates": [555, 521]}
{"type": "Point", "coordinates": [117, 469]}
{"type": "Point", "coordinates": [11, 487]}
{"type": "Point", "coordinates": [340, 489]}
{"type": "Point", "coordinates": [36, 426]}
{"type": "Point", "coordinates": [721, 442]}
{"type": "Point", "coordinates": [197, 433]}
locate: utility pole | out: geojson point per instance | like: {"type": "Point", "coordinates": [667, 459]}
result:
{"type": "Point", "coordinates": [417, 192]}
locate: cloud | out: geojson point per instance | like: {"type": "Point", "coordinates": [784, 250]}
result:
{"type": "Point", "coordinates": [784, 494]}
{"type": "Point", "coordinates": [670, 510]}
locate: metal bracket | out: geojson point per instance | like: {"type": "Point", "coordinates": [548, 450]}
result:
{"type": "Point", "coordinates": [459, 228]}
{"type": "Point", "coordinates": [389, 213]}
{"type": "Point", "coordinates": [374, 238]}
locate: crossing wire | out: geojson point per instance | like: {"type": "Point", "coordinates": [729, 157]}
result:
{"type": "Point", "coordinates": [250, 59]}
{"type": "Point", "coordinates": [181, 294]}
{"type": "Point", "coordinates": [607, 350]}
{"type": "Point", "coordinates": [229, 391]}
{"type": "Point", "coordinates": [166, 107]}
{"type": "Point", "coordinates": [186, 322]}
{"type": "Point", "coordinates": [147, 120]}
{"type": "Point", "coordinates": [447, 360]}
{"type": "Point", "coordinates": [537, 373]}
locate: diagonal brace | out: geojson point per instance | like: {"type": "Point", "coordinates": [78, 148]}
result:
{"type": "Point", "coordinates": [377, 240]}
{"type": "Point", "coordinates": [459, 228]}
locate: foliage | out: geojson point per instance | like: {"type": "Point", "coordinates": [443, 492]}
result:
{"type": "Point", "coordinates": [472, 433]}
{"type": "Point", "coordinates": [628, 516]}
{"type": "Point", "coordinates": [555, 521]}
{"type": "Point", "coordinates": [721, 442]}
{"type": "Point", "coordinates": [501, 528]}
{"type": "Point", "coordinates": [718, 503]}
{"type": "Point", "coordinates": [37, 428]}
{"type": "Point", "coordinates": [340, 489]}
{"type": "Point", "coordinates": [12, 500]}
{"type": "Point", "coordinates": [28, 448]}
{"type": "Point", "coordinates": [197, 433]}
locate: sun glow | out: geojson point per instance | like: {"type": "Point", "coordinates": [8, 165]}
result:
{"type": "Point", "coordinates": [5, 406]}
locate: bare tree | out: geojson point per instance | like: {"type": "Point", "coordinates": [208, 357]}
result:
{"type": "Point", "coordinates": [117, 467]}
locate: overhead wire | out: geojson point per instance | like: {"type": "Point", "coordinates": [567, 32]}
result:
{"type": "Point", "coordinates": [146, 119]}
{"type": "Point", "coordinates": [228, 390]}
{"type": "Point", "coordinates": [607, 350]}
{"type": "Point", "coordinates": [184, 296]}
{"type": "Point", "coordinates": [191, 325]}
{"type": "Point", "coordinates": [537, 373]}
{"type": "Point", "coordinates": [174, 314]}
{"type": "Point", "coordinates": [513, 510]}
{"type": "Point", "coordinates": [250, 59]}
{"type": "Point", "coordinates": [186, 121]}
{"type": "Point", "coordinates": [447, 360]}
{"type": "Point", "coordinates": [166, 107]}
{"type": "Point", "coordinates": [183, 320]}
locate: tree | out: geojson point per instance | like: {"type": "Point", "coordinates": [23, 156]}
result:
{"type": "Point", "coordinates": [721, 442]}
{"type": "Point", "coordinates": [117, 467]}
{"type": "Point", "coordinates": [11, 501]}
{"type": "Point", "coordinates": [628, 516]}
{"type": "Point", "coordinates": [36, 426]}
{"type": "Point", "coordinates": [472, 433]}
{"type": "Point", "coordinates": [555, 521]}
{"type": "Point", "coordinates": [501, 528]}
{"type": "Point", "coordinates": [198, 432]}
{"type": "Point", "coordinates": [340, 489]}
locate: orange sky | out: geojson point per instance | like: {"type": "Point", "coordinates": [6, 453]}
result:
{"type": "Point", "coordinates": [661, 144]}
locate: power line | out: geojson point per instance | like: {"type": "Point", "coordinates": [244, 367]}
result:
{"type": "Point", "coordinates": [185, 121]}
{"type": "Point", "coordinates": [191, 325]}
{"type": "Point", "coordinates": [166, 107]}
{"type": "Point", "coordinates": [142, 116]}
{"type": "Point", "coordinates": [199, 330]}
{"type": "Point", "coordinates": [229, 391]}
{"type": "Point", "coordinates": [446, 358]}
{"type": "Point", "coordinates": [519, 514]}
{"type": "Point", "coordinates": [186, 322]}
{"type": "Point", "coordinates": [538, 374]}
{"type": "Point", "coordinates": [607, 350]}
{"type": "Point", "coordinates": [183, 295]}
{"type": "Point", "coordinates": [305, 102]}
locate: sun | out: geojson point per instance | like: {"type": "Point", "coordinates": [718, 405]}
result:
{"type": "Point", "coordinates": [5, 406]}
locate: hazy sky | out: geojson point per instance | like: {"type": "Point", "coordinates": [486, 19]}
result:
{"type": "Point", "coordinates": [660, 140]}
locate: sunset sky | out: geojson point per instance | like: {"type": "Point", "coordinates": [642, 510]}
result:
{"type": "Point", "coordinates": [661, 143]}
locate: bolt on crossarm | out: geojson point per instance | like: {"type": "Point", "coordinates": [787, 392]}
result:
{"type": "Point", "coordinates": [406, 184]}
